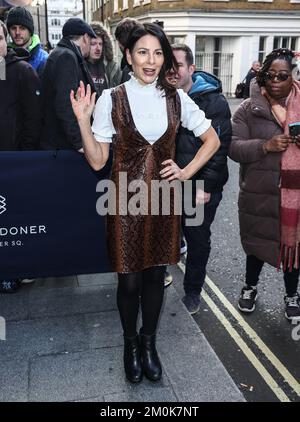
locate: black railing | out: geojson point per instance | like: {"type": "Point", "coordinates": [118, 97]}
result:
{"type": "Point", "coordinates": [219, 64]}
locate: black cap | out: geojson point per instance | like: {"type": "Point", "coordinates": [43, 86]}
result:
{"type": "Point", "coordinates": [20, 16]}
{"type": "Point", "coordinates": [77, 26]}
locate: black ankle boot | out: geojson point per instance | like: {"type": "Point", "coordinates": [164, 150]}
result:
{"type": "Point", "coordinates": [150, 360]}
{"type": "Point", "coordinates": [132, 359]}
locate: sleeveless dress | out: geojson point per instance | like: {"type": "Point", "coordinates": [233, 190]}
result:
{"type": "Point", "coordinates": [137, 242]}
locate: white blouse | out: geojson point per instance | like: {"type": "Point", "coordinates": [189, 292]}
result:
{"type": "Point", "coordinates": [149, 111]}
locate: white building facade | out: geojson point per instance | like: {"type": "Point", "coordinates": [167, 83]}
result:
{"type": "Point", "coordinates": [226, 36]}
{"type": "Point", "coordinates": [226, 44]}
{"type": "Point", "coordinates": [58, 13]}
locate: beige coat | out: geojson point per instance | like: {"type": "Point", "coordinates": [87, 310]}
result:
{"type": "Point", "coordinates": [259, 197]}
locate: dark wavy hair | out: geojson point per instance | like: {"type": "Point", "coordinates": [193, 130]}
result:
{"type": "Point", "coordinates": [124, 28]}
{"type": "Point", "coordinates": [278, 54]}
{"type": "Point", "coordinates": [170, 63]}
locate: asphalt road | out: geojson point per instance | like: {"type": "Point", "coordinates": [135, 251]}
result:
{"type": "Point", "coordinates": [260, 351]}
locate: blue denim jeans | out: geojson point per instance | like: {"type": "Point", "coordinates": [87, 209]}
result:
{"type": "Point", "coordinates": [198, 246]}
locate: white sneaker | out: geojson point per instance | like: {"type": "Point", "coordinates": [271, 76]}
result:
{"type": "Point", "coordinates": [183, 247]}
{"type": "Point", "coordinates": [28, 280]}
{"type": "Point", "coordinates": [292, 307]}
{"type": "Point", "coordinates": [168, 279]}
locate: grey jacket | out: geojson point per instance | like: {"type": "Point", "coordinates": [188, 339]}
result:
{"type": "Point", "coordinates": [113, 73]}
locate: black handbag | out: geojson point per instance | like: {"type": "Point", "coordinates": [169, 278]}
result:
{"type": "Point", "coordinates": [240, 89]}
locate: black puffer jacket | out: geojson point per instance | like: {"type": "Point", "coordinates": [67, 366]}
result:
{"type": "Point", "coordinates": [64, 70]}
{"type": "Point", "coordinates": [207, 94]}
{"type": "Point", "coordinates": [125, 71]}
{"type": "Point", "coordinates": [20, 104]}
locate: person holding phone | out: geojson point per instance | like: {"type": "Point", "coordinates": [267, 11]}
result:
{"type": "Point", "coordinates": [269, 199]}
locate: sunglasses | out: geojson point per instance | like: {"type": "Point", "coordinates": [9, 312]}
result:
{"type": "Point", "coordinates": [280, 76]}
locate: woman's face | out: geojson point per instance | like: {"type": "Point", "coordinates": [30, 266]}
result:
{"type": "Point", "coordinates": [275, 85]}
{"type": "Point", "coordinates": [146, 59]}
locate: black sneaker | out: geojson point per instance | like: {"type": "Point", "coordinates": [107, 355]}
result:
{"type": "Point", "coordinates": [247, 299]}
{"type": "Point", "coordinates": [292, 307]}
{"type": "Point", "coordinates": [168, 279]}
{"type": "Point", "coordinates": [192, 303]}
{"type": "Point", "coordinates": [9, 286]}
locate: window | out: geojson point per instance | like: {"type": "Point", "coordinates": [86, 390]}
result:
{"type": "Point", "coordinates": [217, 54]}
{"type": "Point", "coordinates": [201, 59]}
{"type": "Point", "coordinates": [200, 44]}
{"type": "Point", "coordinates": [262, 49]}
{"type": "Point", "coordinates": [285, 42]}
{"type": "Point", "coordinates": [116, 6]}
{"type": "Point", "coordinates": [176, 39]}
{"type": "Point", "coordinates": [125, 4]}
{"type": "Point", "coordinates": [55, 22]}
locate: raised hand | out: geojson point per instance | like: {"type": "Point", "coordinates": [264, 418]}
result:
{"type": "Point", "coordinates": [83, 102]}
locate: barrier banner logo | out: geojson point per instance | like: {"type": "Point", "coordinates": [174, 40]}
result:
{"type": "Point", "coordinates": [49, 225]}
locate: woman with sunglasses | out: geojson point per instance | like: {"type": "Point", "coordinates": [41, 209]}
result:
{"type": "Point", "coordinates": [269, 199]}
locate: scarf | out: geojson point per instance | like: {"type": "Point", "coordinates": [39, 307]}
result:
{"type": "Point", "coordinates": [290, 181]}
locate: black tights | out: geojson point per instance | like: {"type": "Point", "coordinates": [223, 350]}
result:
{"type": "Point", "coordinates": [149, 284]}
{"type": "Point", "coordinates": [253, 270]}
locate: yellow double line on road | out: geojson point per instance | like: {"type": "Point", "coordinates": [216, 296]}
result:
{"type": "Point", "coordinates": [287, 376]}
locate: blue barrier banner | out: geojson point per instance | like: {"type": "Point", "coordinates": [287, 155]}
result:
{"type": "Point", "coordinates": [48, 220]}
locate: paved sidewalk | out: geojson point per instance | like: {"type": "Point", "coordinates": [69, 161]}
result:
{"type": "Point", "coordinates": [64, 343]}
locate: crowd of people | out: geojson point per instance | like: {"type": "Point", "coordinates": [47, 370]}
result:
{"type": "Point", "coordinates": [161, 119]}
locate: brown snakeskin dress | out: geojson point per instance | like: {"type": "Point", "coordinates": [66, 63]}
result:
{"type": "Point", "coordinates": [137, 242]}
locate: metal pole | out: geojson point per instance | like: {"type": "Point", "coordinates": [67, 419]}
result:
{"type": "Point", "coordinates": [102, 11]}
{"type": "Point", "coordinates": [38, 16]}
{"type": "Point", "coordinates": [83, 9]}
{"type": "Point", "coordinates": [46, 18]}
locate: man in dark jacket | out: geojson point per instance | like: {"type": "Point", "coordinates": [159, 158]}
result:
{"type": "Point", "coordinates": [20, 106]}
{"type": "Point", "coordinates": [206, 91]}
{"type": "Point", "coordinates": [20, 121]}
{"type": "Point", "coordinates": [104, 70]}
{"type": "Point", "coordinates": [64, 70]}
{"type": "Point", "coordinates": [250, 75]}
{"type": "Point", "coordinates": [21, 29]}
